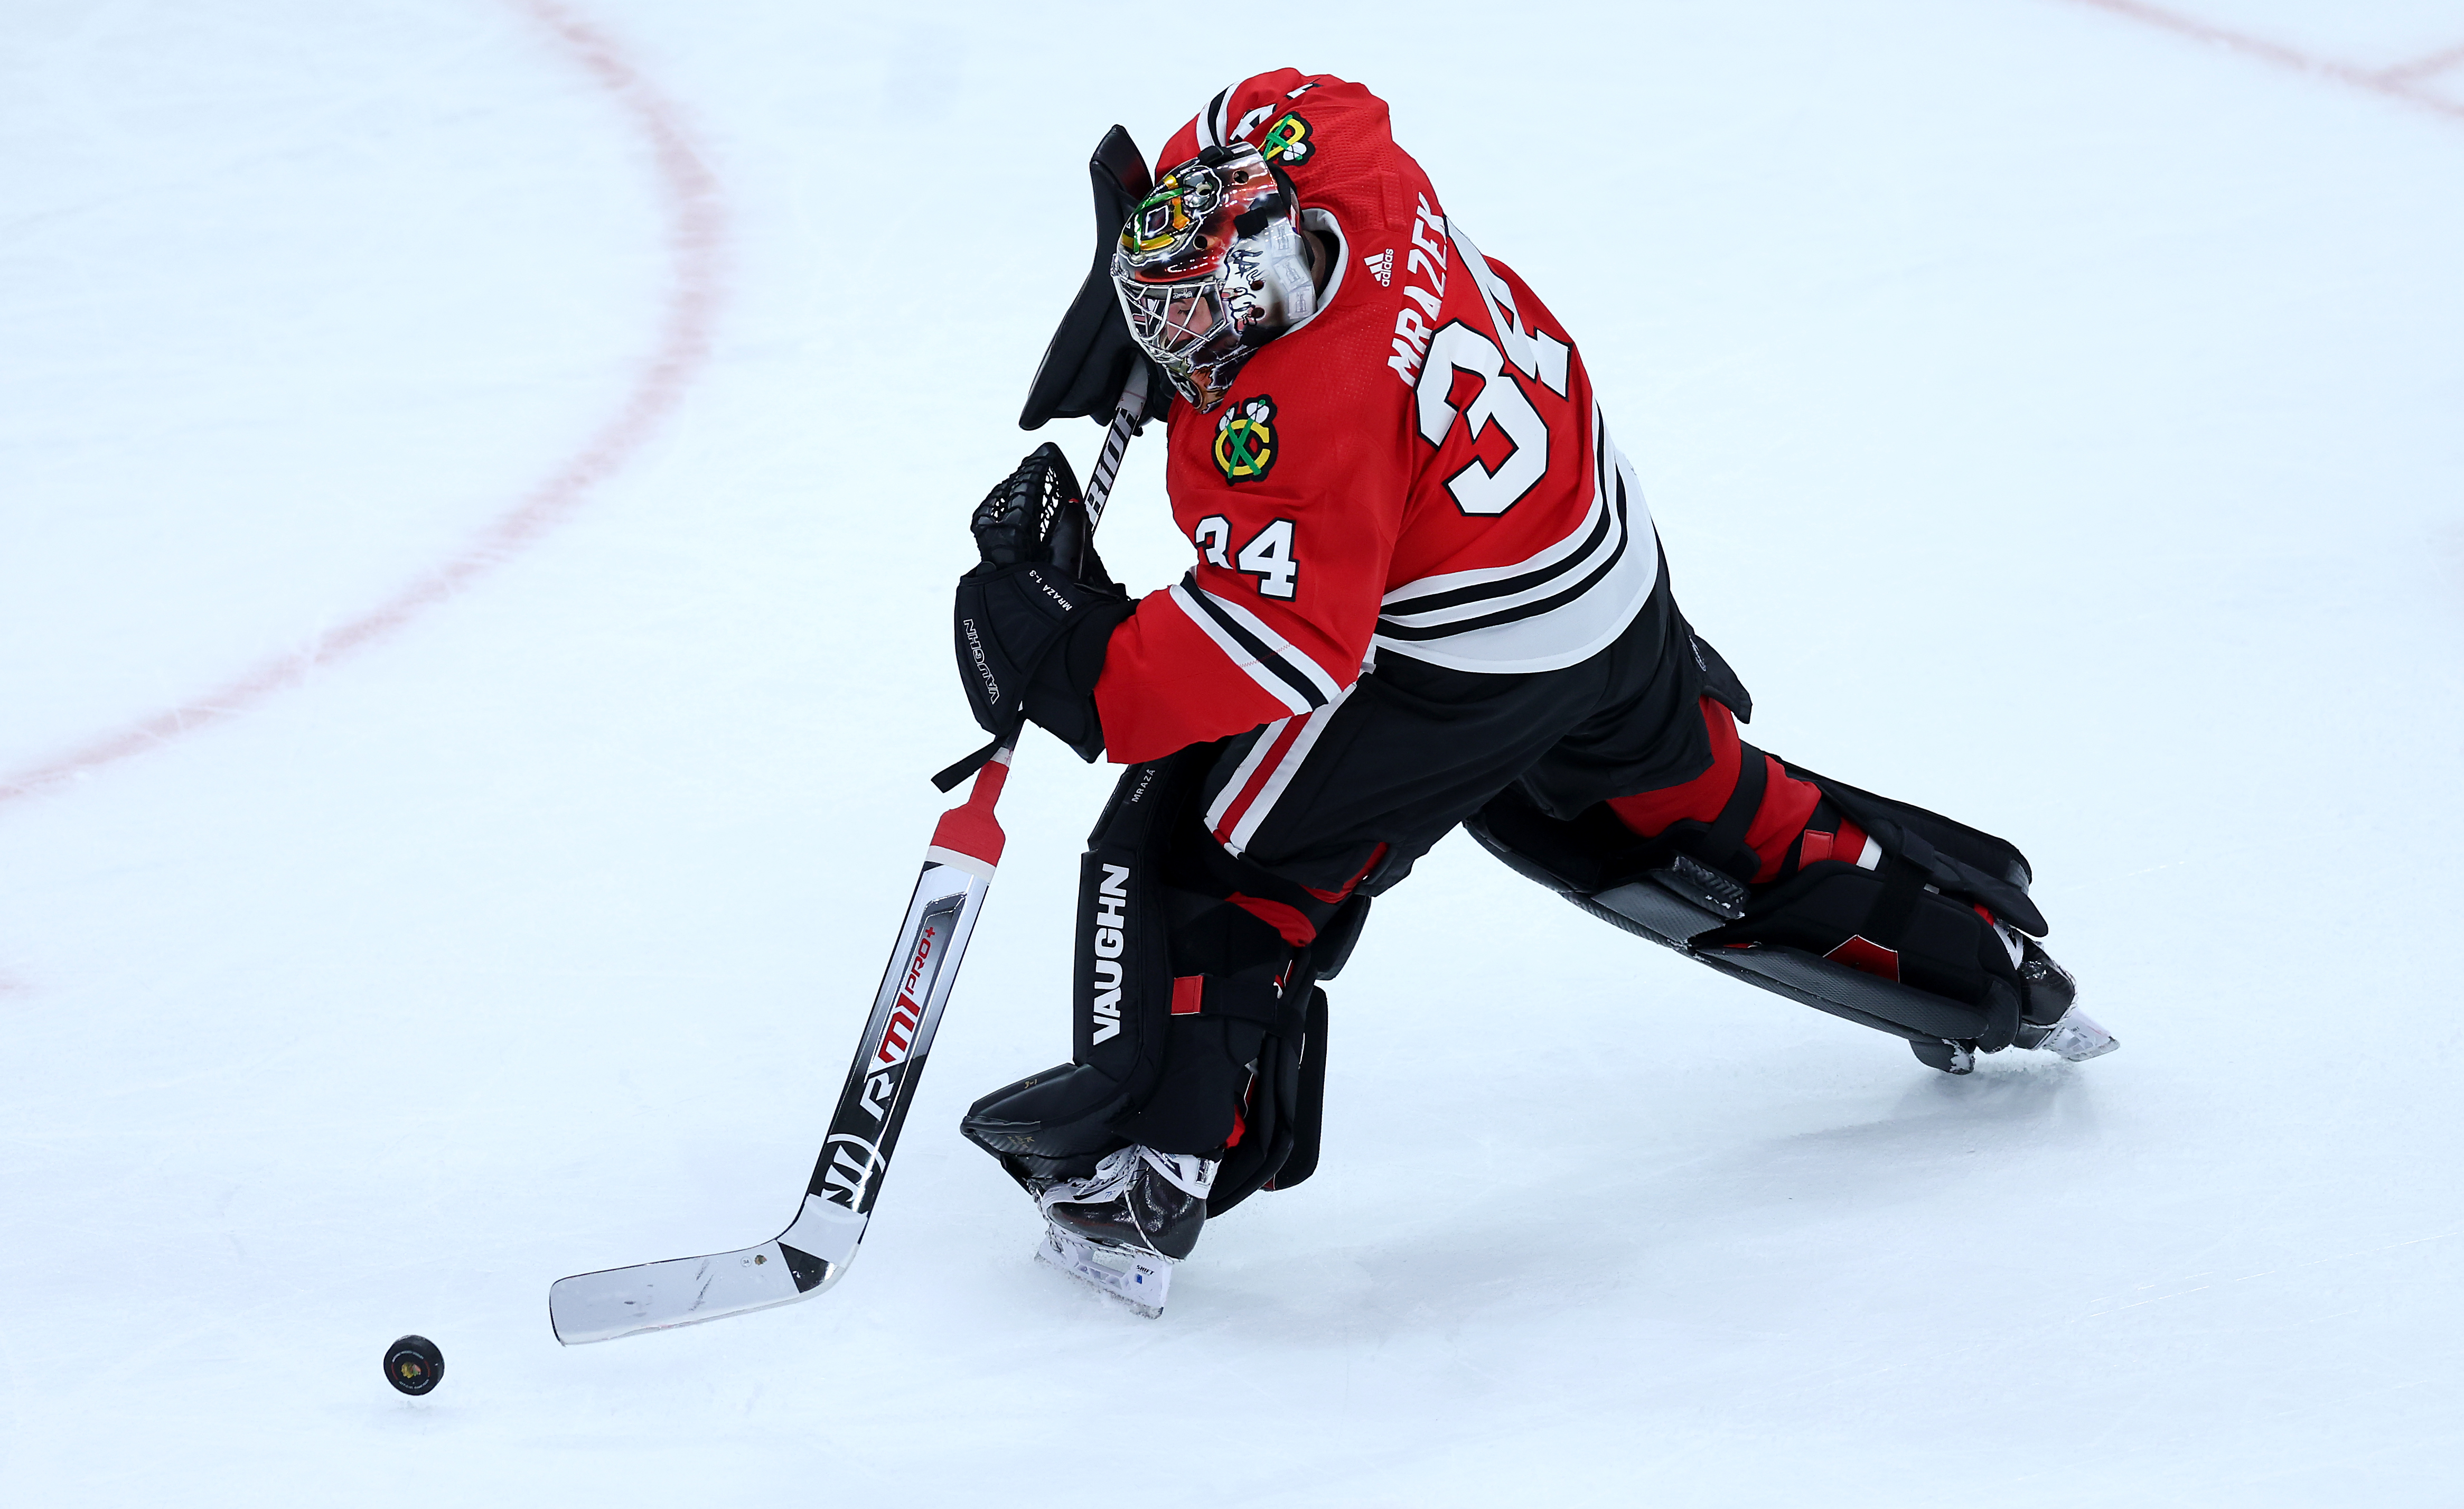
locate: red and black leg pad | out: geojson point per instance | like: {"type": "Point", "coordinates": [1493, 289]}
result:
{"type": "Point", "coordinates": [1198, 1025]}
{"type": "Point", "coordinates": [1906, 946]}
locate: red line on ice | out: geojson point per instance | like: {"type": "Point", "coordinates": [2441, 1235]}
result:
{"type": "Point", "coordinates": [2422, 67]}
{"type": "Point", "coordinates": [2396, 83]}
{"type": "Point", "coordinates": [694, 231]}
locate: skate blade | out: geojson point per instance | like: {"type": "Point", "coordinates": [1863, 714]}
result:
{"type": "Point", "coordinates": [1140, 1281]}
{"type": "Point", "coordinates": [2077, 1038]}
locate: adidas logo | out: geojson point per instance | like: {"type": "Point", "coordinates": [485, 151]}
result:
{"type": "Point", "coordinates": [1381, 267]}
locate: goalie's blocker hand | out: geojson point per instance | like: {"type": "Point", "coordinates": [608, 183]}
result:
{"type": "Point", "coordinates": [1032, 620]}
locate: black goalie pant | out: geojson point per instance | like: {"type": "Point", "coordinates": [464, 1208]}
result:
{"type": "Point", "coordinates": [1222, 883]}
{"type": "Point", "coordinates": [1350, 795]}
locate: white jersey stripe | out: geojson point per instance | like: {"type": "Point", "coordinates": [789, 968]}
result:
{"type": "Point", "coordinates": [1284, 651]}
{"type": "Point", "coordinates": [1239, 781]}
{"type": "Point", "coordinates": [1603, 532]}
{"type": "Point", "coordinates": [1210, 120]}
{"type": "Point", "coordinates": [1398, 602]}
{"type": "Point", "coordinates": [1555, 582]}
{"type": "Point", "coordinates": [1516, 628]}
{"type": "Point", "coordinates": [1275, 685]}
{"type": "Point", "coordinates": [1215, 608]}
{"type": "Point", "coordinates": [1285, 769]}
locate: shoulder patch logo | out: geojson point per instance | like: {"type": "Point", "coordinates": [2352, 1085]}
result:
{"type": "Point", "coordinates": [1289, 140]}
{"type": "Point", "coordinates": [1381, 267]}
{"type": "Point", "coordinates": [1245, 440]}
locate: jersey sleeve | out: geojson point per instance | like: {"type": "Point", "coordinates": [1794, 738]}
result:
{"type": "Point", "coordinates": [1275, 618]}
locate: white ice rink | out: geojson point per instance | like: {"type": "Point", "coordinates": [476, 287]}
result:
{"type": "Point", "coordinates": [479, 486]}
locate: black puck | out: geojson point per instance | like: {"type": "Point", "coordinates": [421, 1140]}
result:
{"type": "Point", "coordinates": [413, 1364]}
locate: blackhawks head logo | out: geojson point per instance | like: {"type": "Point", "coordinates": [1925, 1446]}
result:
{"type": "Point", "coordinates": [1245, 440]}
{"type": "Point", "coordinates": [1173, 211]}
{"type": "Point", "coordinates": [1289, 140]}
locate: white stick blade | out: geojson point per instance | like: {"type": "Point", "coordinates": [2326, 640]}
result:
{"type": "Point", "coordinates": [682, 1291]}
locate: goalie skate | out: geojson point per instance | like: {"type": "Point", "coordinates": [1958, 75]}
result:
{"type": "Point", "coordinates": [1121, 1227]}
{"type": "Point", "coordinates": [2076, 1037]}
{"type": "Point", "coordinates": [1141, 1281]}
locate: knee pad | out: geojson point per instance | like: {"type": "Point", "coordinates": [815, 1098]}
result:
{"type": "Point", "coordinates": [1921, 947]}
{"type": "Point", "coordinates": [1197, 1027]}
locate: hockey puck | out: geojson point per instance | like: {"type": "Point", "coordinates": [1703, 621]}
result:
{"type": "Point", "coordinates": [413, 1364]}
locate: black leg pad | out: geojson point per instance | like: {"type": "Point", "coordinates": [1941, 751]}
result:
{"type": "Point", "coordinates": [1886, 1005]}
{"type": "Point", "coordinates": [1966, 992]}
{"type": "Point", "coordinates": [1198, 1025]}
{"type": "Point", "coordinates": [1309, 1113]}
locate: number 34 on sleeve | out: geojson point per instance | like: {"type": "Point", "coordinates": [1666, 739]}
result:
{"type": "Point", "coordinates": [1269, 556]}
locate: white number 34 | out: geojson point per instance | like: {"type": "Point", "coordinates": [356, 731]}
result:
{"type": "Point", "coordinates": [1267, 556]}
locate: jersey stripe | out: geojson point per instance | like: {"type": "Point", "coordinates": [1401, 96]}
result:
{"type": "Point", "coordinates": [1290, 656]}
{"type": "Point", "coordinates": [1575, 620]}
{"type": "Point", "coordinates": [1414, 610]}
{"type": "Point", "coordinates": [1524, 576]}
{"type": "Point", "coordinates": [1550, 610]}
{"type": "Point", "coordinates": [1464, 619]}
{"type": "Point", "coordinates": [1280, 779]}
{"type": "Point", "coordinates": [1261, 744]}
{"type": "Point", "coordinates": [1250, 790]}
{"type": "Point", "coordinates": [1294, 668]}
{"type": "Point", "coordinates": [1210, 120]}
{"type": "Point", "coordinates": [1280, 681]}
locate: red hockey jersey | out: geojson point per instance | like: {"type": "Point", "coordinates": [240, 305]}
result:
{"type": "Point", "coordinates": [1419, 469]}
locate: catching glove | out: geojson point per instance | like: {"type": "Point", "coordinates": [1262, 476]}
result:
{"type": "Point", "coordinates": [1032, 620]}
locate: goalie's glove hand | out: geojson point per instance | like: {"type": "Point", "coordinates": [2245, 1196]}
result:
{"type": "Point", "coordinates": [1037, 515]}
{"type": "Point", "coordinates": [1033, 619]}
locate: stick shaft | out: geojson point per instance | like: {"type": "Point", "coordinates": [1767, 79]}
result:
{"type": "Point", "coordinates": [1128, 418]}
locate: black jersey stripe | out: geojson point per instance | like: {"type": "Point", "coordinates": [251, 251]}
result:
{"type": "Point", "coordinates": [1507, 586]}
{"type": "Point", "coordinates": [1267, 657]}
{"type": "Point", "coordinates": [1387, 629]}
{"type": "Point", "coordinates": [1603, 463]}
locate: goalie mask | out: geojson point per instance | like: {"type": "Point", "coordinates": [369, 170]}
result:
{"type": "Point", "coordinates": [1211, 266]}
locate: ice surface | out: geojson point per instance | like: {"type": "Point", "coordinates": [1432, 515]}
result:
{"type": "Point", "coordinates": [2053, 417]}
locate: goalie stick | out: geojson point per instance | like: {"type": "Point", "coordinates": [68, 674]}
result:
{"type": "Point", "coordinates": [1089, 366]}
{"type": "Point", "coordinates": [819, 1244]}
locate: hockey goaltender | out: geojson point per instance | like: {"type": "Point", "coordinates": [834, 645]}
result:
{"type": "Point", "coordinates": [1426, 591]}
